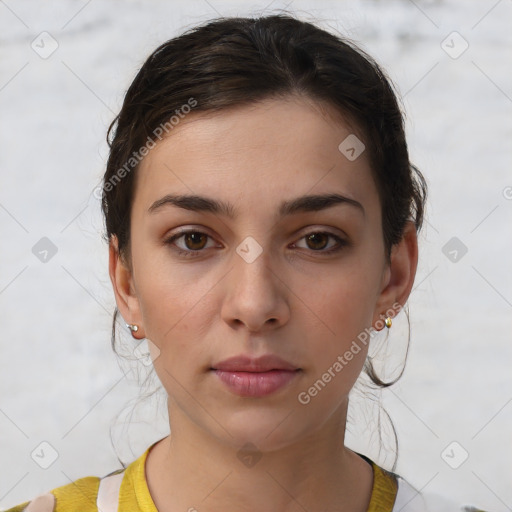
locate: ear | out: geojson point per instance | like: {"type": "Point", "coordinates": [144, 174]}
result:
{"type": "Point", "coordinates": [124, 290]}
{"type": "Point", "coordinates": [398, 277]}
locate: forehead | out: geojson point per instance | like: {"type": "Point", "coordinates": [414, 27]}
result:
{"type": "Point", "coordinates": [255, 156]}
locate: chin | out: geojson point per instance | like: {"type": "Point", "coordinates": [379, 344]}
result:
{"type": "Point", "coordinates": [267, 431]}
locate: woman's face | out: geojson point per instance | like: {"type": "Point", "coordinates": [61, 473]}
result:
{"type": "Point", "coordinates": [252, 281]}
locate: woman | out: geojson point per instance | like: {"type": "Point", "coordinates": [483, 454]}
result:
{"type": "Point", "coordinates": [262, 216]}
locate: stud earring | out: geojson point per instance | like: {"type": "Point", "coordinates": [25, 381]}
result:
{"type": "Point", "coordinates": [388, 322]}
{"type": "Point", "coordinates": [132, 327]}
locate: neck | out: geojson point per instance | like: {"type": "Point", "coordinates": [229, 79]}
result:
{"type": "Point", "coordinates": [191, 470]}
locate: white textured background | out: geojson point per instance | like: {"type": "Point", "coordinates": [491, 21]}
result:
{"type": "Point", "coordinates": [60, 383]}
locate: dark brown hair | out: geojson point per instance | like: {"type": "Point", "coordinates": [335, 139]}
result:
{"type": "Point", "coordinates": [230, 62]}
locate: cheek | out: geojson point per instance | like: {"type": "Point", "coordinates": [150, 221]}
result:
{"type": "Point", "coordinates": [341, 302]}
{"type": "Point", "coordinates": [177, 312]}
{"type": "Point", "coordinates": [174, 318]}
{"type": "Point", "coordinates": [337, 321]}
{"type": "Point", "coordinates": [337, 357]}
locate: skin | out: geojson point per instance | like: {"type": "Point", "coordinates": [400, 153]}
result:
{"type": "Point", "coordinates": [292, 301]}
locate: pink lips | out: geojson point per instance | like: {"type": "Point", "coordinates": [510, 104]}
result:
{"type": "Point", "coordinates": [259, 377]}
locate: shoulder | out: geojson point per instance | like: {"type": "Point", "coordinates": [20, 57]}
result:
{"type": "Point", "coordinates": [122, 489]}
{"type": "Point", "coordinates": [409, 499]}
{"type": "Point", "coordinates": [393, 493]}
{"type": "Point", "coordinates": [80, 495]}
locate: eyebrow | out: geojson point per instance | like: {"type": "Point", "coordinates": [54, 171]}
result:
{"type": "Point", "coordinates": [307, 203]}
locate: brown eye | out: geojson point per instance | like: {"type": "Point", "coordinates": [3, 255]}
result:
{"type": "Point", "coordinates": [317, 240]}
{"type": "Point", "coordinates": [195, 240]}
{"type": "Point", "coordinates": [192, 244]}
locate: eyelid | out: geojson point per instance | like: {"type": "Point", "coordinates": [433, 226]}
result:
{"type": "Point", "coordinates": [341, 243]}
{"type": "Point", "coordinates": [330, 230]}
{"type": "Point", "coordinates": [171, 239]}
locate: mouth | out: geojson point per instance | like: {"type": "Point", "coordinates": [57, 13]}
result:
{"type": "Point", "coordinates": [244, 363]}
{"type": "Point", "coordinates": [249, 377]}
{"type": "Point", "coordinates": [256, 384]}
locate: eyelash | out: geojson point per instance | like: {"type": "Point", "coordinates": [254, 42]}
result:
{"type": "Point", "coordinates": [191, 253]}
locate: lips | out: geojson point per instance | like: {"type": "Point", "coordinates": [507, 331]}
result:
{"type": "Point", "coordinates": [249, 364]}
{"type": "Point", "coordinates": [250, 377]}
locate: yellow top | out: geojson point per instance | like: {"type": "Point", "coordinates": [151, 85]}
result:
{"type": "Point", "coordinates": [134, 495]}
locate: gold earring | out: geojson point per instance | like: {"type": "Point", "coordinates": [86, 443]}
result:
{"type": "Point", "coordinates": [388, 322]}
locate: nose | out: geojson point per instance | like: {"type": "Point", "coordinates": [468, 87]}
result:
{"type": "Point", "coordinates": [255, 294]}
